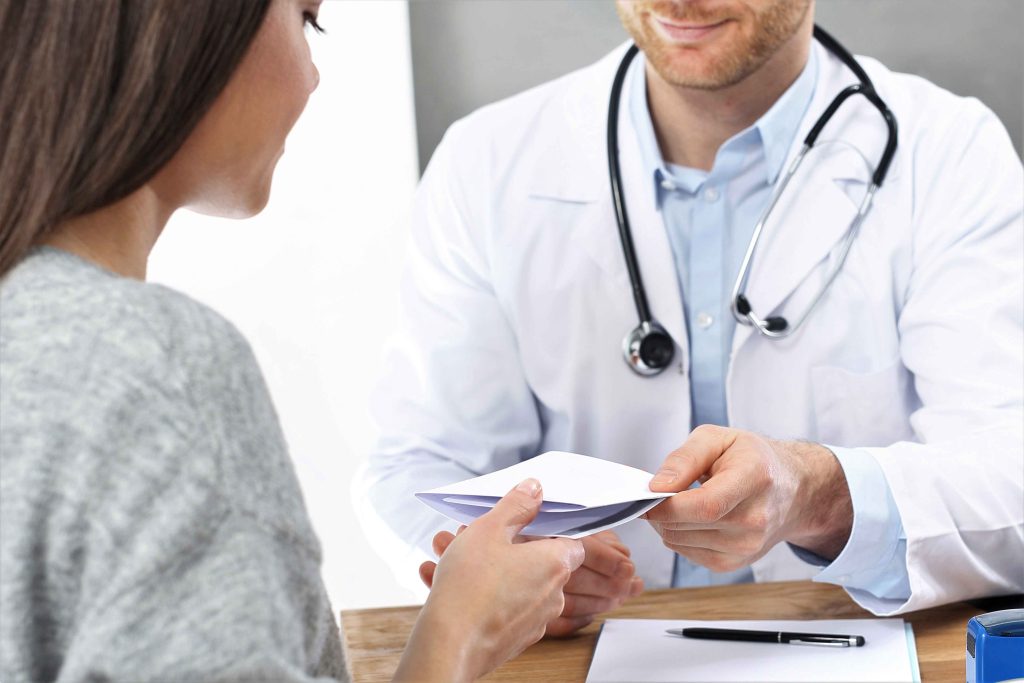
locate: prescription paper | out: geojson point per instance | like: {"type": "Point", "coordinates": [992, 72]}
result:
{"type": "Point", "coordinates": [582, 495]}
{"type": "Point", "coordinates": [639, 650]}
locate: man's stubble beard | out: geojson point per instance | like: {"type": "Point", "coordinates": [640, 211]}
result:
{"type": "Point", "coordinates": [776, 25]}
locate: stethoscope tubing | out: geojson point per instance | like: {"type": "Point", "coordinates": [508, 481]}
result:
{"type": "Point", "coordinates": [741, 309]}
{"type": "Point", "coordinates": [778, 327]}
{"type": "Point", "coordinates": [643, 309]}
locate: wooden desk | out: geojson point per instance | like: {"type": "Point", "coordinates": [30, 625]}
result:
{"type": "Point", "coordinates": [374, 638]}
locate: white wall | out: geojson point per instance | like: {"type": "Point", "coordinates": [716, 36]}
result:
{"type": "Point", "coordinates": [312, 281]}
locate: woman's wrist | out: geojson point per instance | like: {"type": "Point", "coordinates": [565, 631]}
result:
{"type": "Point", "coordinates": [438, 650]}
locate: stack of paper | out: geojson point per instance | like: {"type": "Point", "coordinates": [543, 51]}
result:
{"type": "Point", "coordinates": [640, 651]}
{"type": "Point", "coordinates": [582, 495]}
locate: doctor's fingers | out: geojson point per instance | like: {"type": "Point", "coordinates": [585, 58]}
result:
{"type": "Point", "coordinates": [709, 504]}
{"type": "Point", "coordinates": [693, 459]}
{"type": "Point", "coordinates": [564, 553]}
{"type": "Point", "coordinates": [559, 627]}
{"type": "Point", "coordinates": [585, 581]}
{"type": "Point", "coordinates": [607, 559]}
{"type": "Point", "coordinates": [743, 544]}
{"type": "Point", "coordinates": [588, 605]}
{"type": "Point", "coordinates": [751, 515]}
{"type": "Point", "coordinates": [611, 538]}
{"type": "Point", "coordinates": [714, 560]}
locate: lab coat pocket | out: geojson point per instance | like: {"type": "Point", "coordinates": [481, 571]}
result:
{"type": "Point", "coordinates": [862, 408]}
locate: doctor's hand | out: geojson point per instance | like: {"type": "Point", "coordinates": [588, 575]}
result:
{"type": "Point", "coordinates": [755, 493]}
{"type": "Point", "coordinates": [491, 597]}
{"type": "Point", "coordinates": [606, 579]}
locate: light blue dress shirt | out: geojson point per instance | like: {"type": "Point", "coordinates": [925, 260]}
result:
{"type": "Point", "coordinates": [709, 217]}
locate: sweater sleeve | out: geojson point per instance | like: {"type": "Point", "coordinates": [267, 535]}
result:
{"type": "Point", "coordinates": [215, 574]}
{"type": "Point", "coordinates": [238, 604]}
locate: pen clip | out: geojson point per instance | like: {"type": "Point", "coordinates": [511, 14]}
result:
{"type": "Point", "coordinates": [820, 643]}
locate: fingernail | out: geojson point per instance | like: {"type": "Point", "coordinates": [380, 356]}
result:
{"type": "Point", "coordinates": [530, 487]}
{"type": "Point", "coordinates": [636, 586]}
{"type": "Point", "coordinates": [664, 477]}
{"type": "Point", "coordinates": [624, 569]}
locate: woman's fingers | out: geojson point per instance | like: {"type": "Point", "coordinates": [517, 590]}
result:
{"type": "Point", "coordinates": [442, 540]}
{"type": "Point", "coordinates": [427, 570]}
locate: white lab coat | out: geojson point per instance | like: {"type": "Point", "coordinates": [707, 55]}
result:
{"type": "Point", "coordinates": [516, 300]}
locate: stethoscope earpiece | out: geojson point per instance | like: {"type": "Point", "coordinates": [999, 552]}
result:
{"type": "Point", "coordinates": [648, 348]}
{"type": "Point", "coordinates": [741, 309]}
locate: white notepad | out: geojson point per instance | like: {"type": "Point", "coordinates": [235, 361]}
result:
{"type": "Point", "coordinates": [639, 651]}
{"type": "Point", "coordinates": [582, 495]}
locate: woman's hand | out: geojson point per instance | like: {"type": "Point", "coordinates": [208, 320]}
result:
{"type": "Point", "coordinates": [605, 581]}
{"type": "Point", "coordinates": [491, 597]}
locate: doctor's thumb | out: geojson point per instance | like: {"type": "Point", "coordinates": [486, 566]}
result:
{"type": "Point", "coordinates": [518, 508]}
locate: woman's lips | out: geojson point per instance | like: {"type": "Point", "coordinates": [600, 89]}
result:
{"type": "Point", "coordinates": [685, 33]}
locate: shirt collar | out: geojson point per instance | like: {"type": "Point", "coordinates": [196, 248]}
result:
{"type": "Point", "coordinates": [776, 128]}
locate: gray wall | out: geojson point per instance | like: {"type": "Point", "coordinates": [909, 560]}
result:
{"type": "Point", "coordinates": [467, 53]}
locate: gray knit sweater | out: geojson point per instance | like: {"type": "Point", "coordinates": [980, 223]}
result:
{"type": "Point", "coordinates": [151, 525]}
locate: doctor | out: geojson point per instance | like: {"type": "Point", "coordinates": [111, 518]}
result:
{"type": "Point", "coordinates": [877, 446]}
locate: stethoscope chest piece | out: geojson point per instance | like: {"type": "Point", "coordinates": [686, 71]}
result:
{"type": "Point", "coordinates": [648, 348]}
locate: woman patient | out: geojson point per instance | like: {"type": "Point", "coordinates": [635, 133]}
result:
{"type": "Point", "coordinates": [151, 525]}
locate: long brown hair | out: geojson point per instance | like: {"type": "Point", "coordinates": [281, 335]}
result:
{"type": "Point", "coordinates": [97, 95]}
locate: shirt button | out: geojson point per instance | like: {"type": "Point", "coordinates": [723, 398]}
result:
{"type": "Point", "coordinates": [704, 320]}
{"type": "Point", "coordinates": [667, 184]}
{"type": "Point", "coordinates": [711, 194]}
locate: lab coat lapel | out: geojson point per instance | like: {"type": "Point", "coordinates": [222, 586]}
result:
{"type": "Point", "coordinates": [578, 173]}
{"type": "Point", "coordinates": [573, 168]}
{"type": "Point", "coordinates": [809, 221]}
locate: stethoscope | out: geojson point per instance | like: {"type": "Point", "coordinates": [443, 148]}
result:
{"type": "Point", "coordinates": [648, 348]}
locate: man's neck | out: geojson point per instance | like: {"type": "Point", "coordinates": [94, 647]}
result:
{"type": "Point", "coordinates": [692, 124]}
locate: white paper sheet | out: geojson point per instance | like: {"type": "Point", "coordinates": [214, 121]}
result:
{"type": "Point", "coordinates": [582, 495]}
{"type": "Point", "coordinates": [639, 651]}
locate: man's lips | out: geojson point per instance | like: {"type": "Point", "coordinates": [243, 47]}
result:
{"type": "Point", "coordinates": [686, 32]}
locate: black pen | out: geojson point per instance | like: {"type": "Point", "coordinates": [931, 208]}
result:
{"type": "Point", "coordinates": [783, 637]}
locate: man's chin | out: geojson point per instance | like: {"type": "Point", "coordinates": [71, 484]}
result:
{"type": "Point", "coordinates": [699, 74]}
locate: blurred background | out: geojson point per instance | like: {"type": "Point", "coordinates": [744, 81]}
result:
{"type": "Point", "coordinates": [312, 281]}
